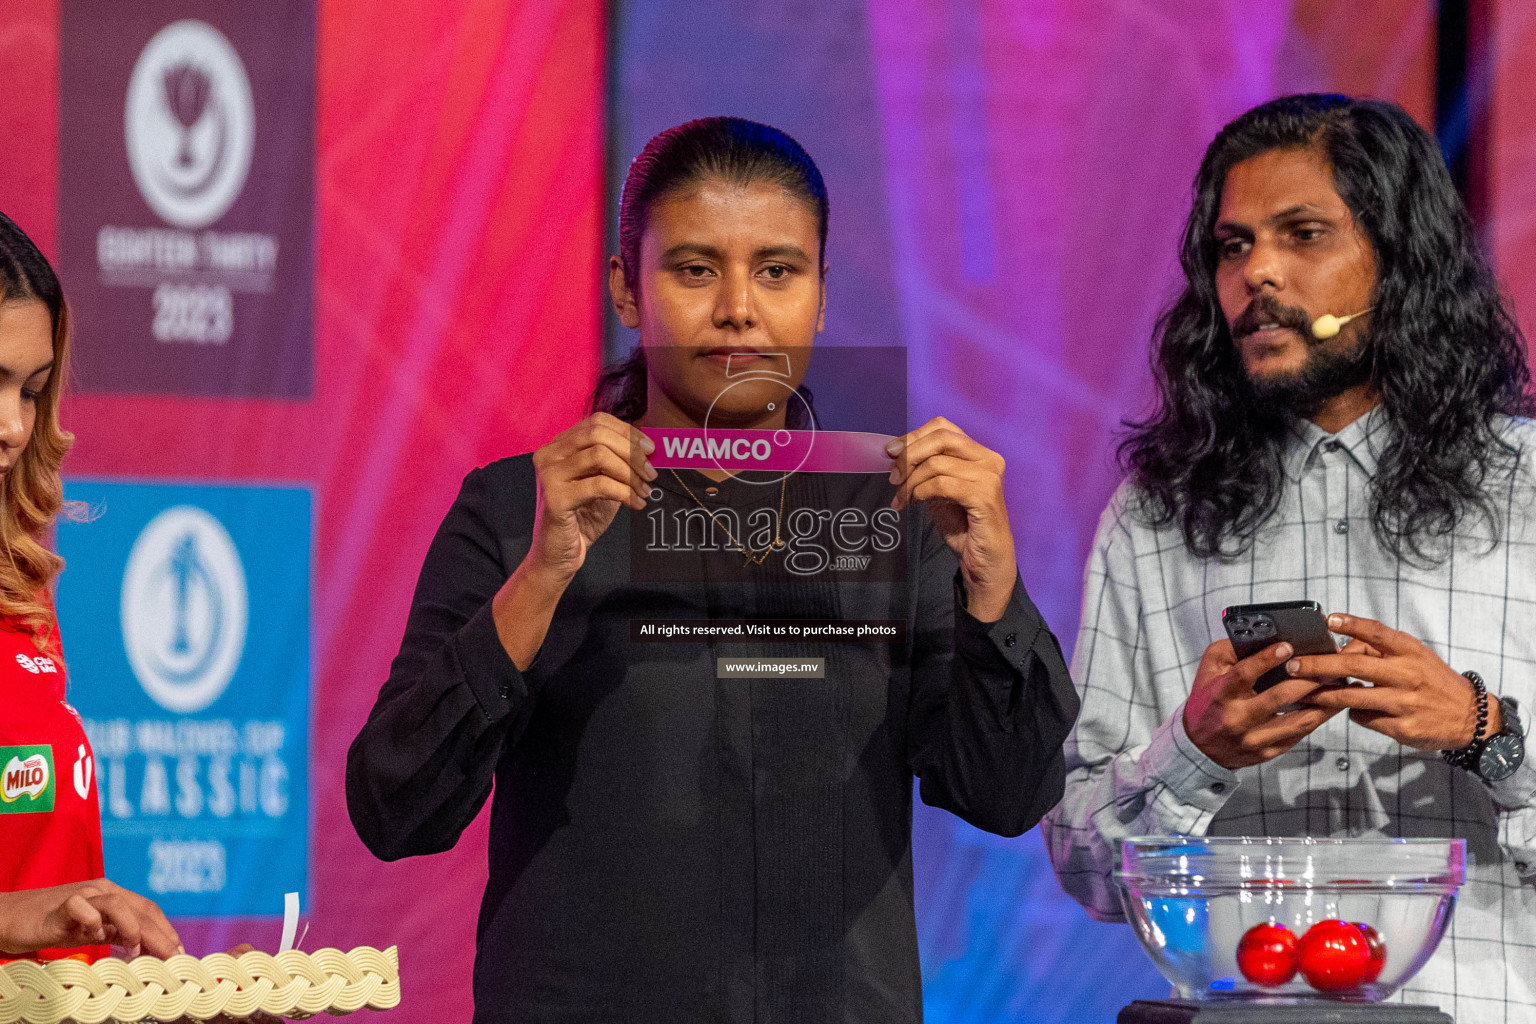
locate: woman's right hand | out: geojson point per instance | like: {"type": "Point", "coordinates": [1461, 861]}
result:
{"type": "Point", "coordinates": [84, 914]}
{"type": "Point", "coordinates": [584, 475]}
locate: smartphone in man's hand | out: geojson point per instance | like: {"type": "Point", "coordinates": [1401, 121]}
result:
{"type": "Point", "coordinates": [1253, 627]}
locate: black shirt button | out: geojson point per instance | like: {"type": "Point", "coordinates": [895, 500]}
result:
{"type": "Point", "coordinates": [1010, 639]}
{"type": "Point", "coordinates": [1332, 446]}
{"type": "Point", "coordinates": [505, 692]}
{"type": "Point", "coordinates": [1341, 527]}
{"type": "Point", "coordinates": [1218, 787]}
{"type": "Point", "coordinates": [1342, 764]}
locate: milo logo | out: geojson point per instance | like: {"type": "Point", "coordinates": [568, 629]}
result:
{"type": "Point", "coordinates": [26, 781]}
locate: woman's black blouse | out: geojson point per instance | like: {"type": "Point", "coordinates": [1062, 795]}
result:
{"type": "Point", "coordinates": [669, 846]}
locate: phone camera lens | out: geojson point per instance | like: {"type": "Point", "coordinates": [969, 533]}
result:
{"type": "Point", "coordinates": [1243, 632]}
{"type": "Point", "coordinates": [1240, 621]}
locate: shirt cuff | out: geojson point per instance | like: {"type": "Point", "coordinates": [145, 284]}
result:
{"type": "Point", "coordinates": [1006, 642]}
{"type": "Point", "coordinates": [1188, 776]}
{"type": "Point", "coordinates": [487, 668]}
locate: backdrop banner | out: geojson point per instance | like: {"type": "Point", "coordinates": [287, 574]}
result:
{"type": "Point", "coordinates": [197, 703]}
{"type": "Point", "coordinates": [450, 157]}
{"type": "Point", "coordinates": [186, 195]}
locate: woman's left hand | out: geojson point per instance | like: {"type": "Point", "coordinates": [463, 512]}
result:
{"type": "Point", "coordinates": [962, 482]}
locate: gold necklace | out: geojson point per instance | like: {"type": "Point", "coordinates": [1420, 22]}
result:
{"type": "Point", "coordinates": [753, 558]}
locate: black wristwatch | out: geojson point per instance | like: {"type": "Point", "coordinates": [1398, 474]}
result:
{"type": "Point", "coordinates": [1503, 752]}
{"type": "Point", "coordinates": [1497, 757]}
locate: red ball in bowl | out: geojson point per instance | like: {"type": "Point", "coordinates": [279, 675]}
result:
{"type": "Point", "coordinates": [1377, 950]}
{"type": "Point", "coordinates": [1267, 954]}
{"type": "Point", "coordinates": [1333, 956]}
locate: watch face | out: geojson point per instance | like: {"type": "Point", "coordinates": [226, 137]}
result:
{"type": "Point", "coordinates": [1501, 756]}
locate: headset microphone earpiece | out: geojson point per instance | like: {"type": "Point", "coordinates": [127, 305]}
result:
{"type": "Point", "coordinates": [1327, 325]}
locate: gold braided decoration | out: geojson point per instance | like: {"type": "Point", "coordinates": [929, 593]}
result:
{"type": "Point", "coordinates": [290, 984]}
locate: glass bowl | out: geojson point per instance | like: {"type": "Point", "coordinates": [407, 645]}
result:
{"type": "Point", "coordinates": [1282, 920]}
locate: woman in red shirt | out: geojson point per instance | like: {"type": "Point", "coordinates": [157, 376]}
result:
{"type": "Point", "coordinates": [53, 901]}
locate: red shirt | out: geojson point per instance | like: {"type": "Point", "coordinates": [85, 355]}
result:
{"type": "Point", "coordinates": [50, 824]}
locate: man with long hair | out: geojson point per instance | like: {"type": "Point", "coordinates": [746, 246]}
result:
{"type": "Point", "coordinates": [1341, 418]}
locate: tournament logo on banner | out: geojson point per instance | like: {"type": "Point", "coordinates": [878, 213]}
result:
{"type": "Point", "coordinates": [184, 611]}
{"type": "Point", "coordinates": [186, 195]}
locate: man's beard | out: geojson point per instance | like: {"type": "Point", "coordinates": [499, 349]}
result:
{"type": "Point", "coordinates": [1324, 375]}
{"type": "Point", "coordinates": [1304, 391]}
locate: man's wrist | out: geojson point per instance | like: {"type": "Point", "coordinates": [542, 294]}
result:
{"type": "Point", "coordinates": [1465, 756]}
{"type": "Point", "coordinates": [1497, 748]}
{"type": "Point", "coordinates": [1189, 773]}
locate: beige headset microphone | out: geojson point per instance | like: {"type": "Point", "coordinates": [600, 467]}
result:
{"type": "Point", "coordinates": [1327, 325]}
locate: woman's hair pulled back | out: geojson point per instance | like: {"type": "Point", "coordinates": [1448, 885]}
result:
{"type": "Point", "coordinates": [729, 149]}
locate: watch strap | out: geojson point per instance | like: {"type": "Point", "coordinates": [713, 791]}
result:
{"type": "Point", "coordinates": [1509, 709]}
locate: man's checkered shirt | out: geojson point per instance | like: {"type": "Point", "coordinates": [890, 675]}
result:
{"type": "Point", "coordinates": [1150, 608]}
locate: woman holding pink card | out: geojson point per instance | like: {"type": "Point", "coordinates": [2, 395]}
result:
{"type": "Point", "coordinates": [712, 829]}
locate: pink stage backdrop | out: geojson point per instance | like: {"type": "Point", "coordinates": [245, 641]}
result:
{"type": "Point", "coordinates": [1008, 180]}
{"type": "Point", "coordinates": [458, 183]}
{"type": "Point", "coordinates": [1511, 229]}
